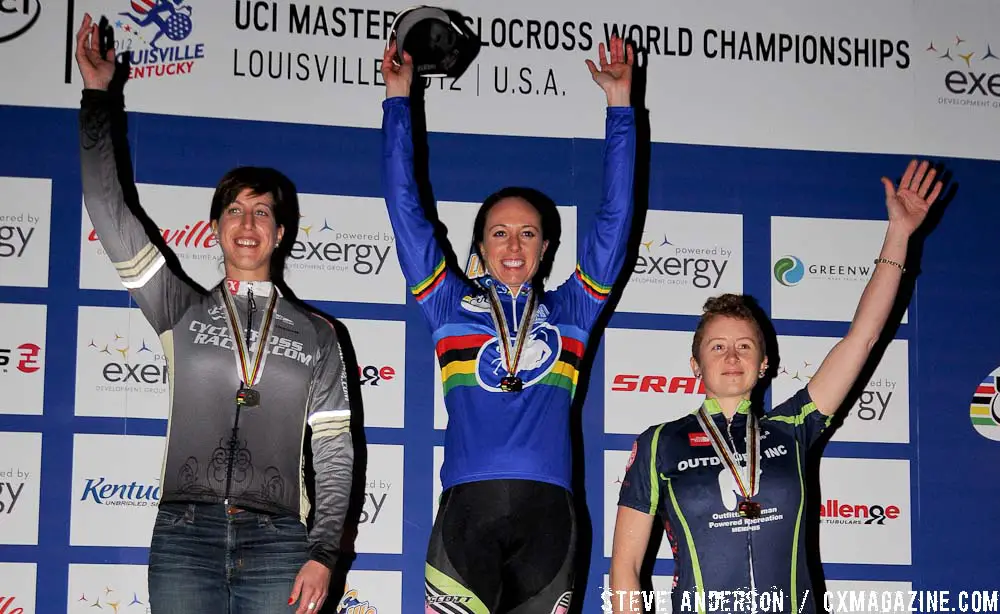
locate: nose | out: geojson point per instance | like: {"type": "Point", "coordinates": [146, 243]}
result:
{"type": "Point", "coordinates": [514, 245]}
{"type": "Point", "coordinates": [732, 355]}
{"type": "Point", "coordinates": [247, 220]}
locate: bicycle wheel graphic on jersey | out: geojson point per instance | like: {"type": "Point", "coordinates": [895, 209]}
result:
{"type": "Point", "coordinates": [985, 408]}
{"type": "Point", "coordinates": [178, 27]}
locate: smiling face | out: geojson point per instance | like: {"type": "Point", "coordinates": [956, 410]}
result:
{"type": "Point", "coordinates": [248, 234]}
{"type": "Point", "coordinates": [729, 358]}
{"type": "Point", "coordinates": [512, 243]}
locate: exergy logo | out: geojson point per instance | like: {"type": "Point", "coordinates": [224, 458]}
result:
{"type": "Point", "coordinates": [16, 18]}
{"type": "Point", "coordinates": [139, 370]}
{"type": "Point", "coordinates": [12, 483]}
{"type": "Point", "coordinates": [971, 71]}
{"type": "Point", "coordinates": [661, 261]}
{"type": "Point", "coordinates": [328, 249]}
{"type": "Point", "coordinates": [16, 231]}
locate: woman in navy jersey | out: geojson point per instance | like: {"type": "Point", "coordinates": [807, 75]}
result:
{"type": "Point", "coordinates": [726, 481]}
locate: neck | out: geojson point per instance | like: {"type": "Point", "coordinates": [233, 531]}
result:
{"type": "Point", "coordinates": [262, 274]}
{"type": "Point", "coordinates": [728, 405]}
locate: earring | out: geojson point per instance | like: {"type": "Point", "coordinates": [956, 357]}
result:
{"type": "Point", "coordinates": [761, 374]}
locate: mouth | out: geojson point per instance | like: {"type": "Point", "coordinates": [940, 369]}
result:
{"type": "Point", "coordinates": [246, 242]}
{"type": "Point", "coordinates": [732, 373]}
{"type": "Point", "coordinates": [512, 264]}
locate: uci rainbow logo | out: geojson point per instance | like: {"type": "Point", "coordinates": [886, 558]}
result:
{"type": "Point", "coordinates": [985, 408]}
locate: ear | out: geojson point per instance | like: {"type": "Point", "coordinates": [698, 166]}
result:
{"type": "Point", "coordinates": [215, 227]}
{"type": "Point", "coordinates": [545, 247]}
{"type": "Point", "coordinates": [695, 368]}
{"type": "Point", "coordinates": [763, 364]}
{"type": "Point", "coordinates": [281, 233]}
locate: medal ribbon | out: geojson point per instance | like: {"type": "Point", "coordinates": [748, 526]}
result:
{"type": "Point", "coordinates": [242, 348]}
{"type": "Point", "coordinates": [746, 477]}
{"type": "Point", "coordinates": [500, 321]}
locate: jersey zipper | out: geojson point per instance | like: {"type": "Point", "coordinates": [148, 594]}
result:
{"type": "Point", "coordinates": [753, 583]}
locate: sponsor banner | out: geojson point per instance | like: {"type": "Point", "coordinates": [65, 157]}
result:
{"type": "Point", "coordinates": [119, 588]}
{"type": "Point", "coordinates": [121, 370]}
{"type": "Point", "coordinates": [789, 65]}
{"type": "Point", "coordinates": [17, 588]}
{"type": "Point", "coordinates": [380, 526]}
{"type": "Point", "coordinates": [460, 218]}
{"type": "Point", "coordinates": [181, 215]}
{"type": "Point", "coordinates": [865, 514]}
{"type": "Point", "coordinates": [25, 223]}
{"type": "Point", "coordinates": [20, 489]}
{"type": "Point", "coordinates": [882, 412]}
{"type": "Point", "coordinates": [438, 462]}
{"type": "Point", "coordinates": [381, 356]}
{"type": "Point", "coordinates": [820, 266]}
{"type": "Point", "coordinates": [684, 258]}
{"type": "Point", "coordinates": [372, 592]}
{"type": "Point", "coordinates": [647, 379]}
{"type": "Point", "coordinates": [345, 251]}
{"type": "Point", "coordinates": [22, 358]}
{"type": "Point", "coordinates": [116, 489]}
{"type": "Point", "coordinates": [956, 58]}
{"type": "Point", "coordinates": [615, 462]}
{"type": "Point", "coordinates": [984, 411]}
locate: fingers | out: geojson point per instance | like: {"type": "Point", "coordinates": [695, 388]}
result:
{"type": "Point", "coordinates": [601, 55]}
{"type": "Point", "coordinates": [82, 35]}
{"type": "Point", "coordinates": [296, 589]}
{"type": "Point", "coordinates": [908, 175]}
{"type": "Point", "coordinates": [937, 192]}
{"type": "Point", "coordinates": [593, 69]}
{"type": "Point", "coordinates": [630, 55]}
{"type": "Point", "coordinates": [890, 191]}
{"type": "Point", "coordinates": [311, 597]}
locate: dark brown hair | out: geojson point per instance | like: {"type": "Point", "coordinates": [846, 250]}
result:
{"type": "Point", "coordinates": [732, 306]}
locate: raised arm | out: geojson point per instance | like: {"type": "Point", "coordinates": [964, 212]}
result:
{"type": "Point", "coordinates": [160, 294]}
{"type": "Point", "coordinates": [907, 210]}
{"type": "Point", "coordinates": [602, 254]}
{"type": "Point", "coordinates": [329, 418]}
{"type": "Point", "coordinates": [420, 256]}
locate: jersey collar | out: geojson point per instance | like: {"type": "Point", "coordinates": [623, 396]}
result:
{"type": "Point", "coordinates": [712, 407]}
{"type": "Point", "coordinates": [487, 281]}
{"type": "Point", "coordinates": [240, 288]}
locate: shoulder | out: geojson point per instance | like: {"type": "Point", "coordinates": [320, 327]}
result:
{"type": "Point", "coordinates": [317, 326]}
{"type": "Point", "coordinates": [796, 407]}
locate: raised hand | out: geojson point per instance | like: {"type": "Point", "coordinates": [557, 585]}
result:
{"type": "Point", "coordinates": [614, 76]}
{"type": "Point", "coordinates": [96, 71]}
{"type": "Point", "coordinates": [398, 79]}
{"type": "Point", "coordinates": [908, 206]}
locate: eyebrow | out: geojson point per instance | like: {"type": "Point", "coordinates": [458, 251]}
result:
{"type": "Point", "coordinates": [254, 203]}
{"type": "Point", "coordinates": [513, 225]}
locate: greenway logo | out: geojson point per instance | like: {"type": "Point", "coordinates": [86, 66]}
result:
{"type": "Point", "coordinates": [789, 271]}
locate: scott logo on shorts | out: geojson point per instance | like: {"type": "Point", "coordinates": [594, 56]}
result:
{"type": "Point", "coordinates": [540, 353]}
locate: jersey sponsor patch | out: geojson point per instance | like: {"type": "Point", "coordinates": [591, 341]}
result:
{"type": "Point", "coordinates": [699, 439]}
{"type": "Point", "coordinates": [476, 303]}
{"type": "Point", "coordinates": [631, 458]}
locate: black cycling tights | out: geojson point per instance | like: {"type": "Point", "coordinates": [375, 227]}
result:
{"type": "Point", "coordinates": [501, 546]}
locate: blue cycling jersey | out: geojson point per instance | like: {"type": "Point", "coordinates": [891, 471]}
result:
{"type": "Point", "coordinates": [493, 434]}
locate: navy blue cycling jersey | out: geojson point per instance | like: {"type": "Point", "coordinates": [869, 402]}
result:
{"type": "Point", "coordinates": [674, 474]}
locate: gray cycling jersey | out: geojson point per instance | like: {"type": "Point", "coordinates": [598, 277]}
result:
{"type": "Point", "coordinates": [303, 382]}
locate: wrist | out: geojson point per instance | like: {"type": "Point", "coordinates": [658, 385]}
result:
{"type": "Point", "coordinates": [619, 99]}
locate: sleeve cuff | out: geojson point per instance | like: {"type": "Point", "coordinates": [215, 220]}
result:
{"type": "Point", "coordinates": [102, 97]}
{"type": "Point", "coordinates": [402, 102]}
{"type": "Point", "coordinates": [323, 553]}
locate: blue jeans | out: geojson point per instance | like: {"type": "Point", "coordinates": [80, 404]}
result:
{"type": "Point", "coordinates": [204, 558]}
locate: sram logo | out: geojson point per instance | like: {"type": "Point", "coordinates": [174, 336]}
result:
{"type": "Point", "coordinates": [629, 382]}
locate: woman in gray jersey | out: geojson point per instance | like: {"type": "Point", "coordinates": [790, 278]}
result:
{"type": "Point", "coordinates": [231, 533]}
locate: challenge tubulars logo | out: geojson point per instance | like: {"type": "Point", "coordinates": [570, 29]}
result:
{"type": "Point", "coordinates": [984, 410]}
